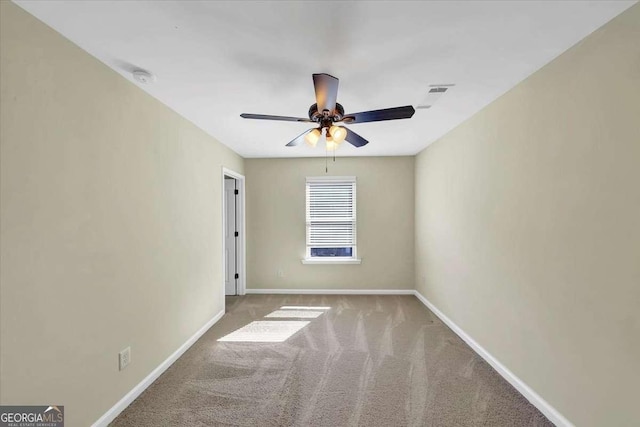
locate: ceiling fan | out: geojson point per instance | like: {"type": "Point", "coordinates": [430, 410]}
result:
{"type": "Point", "coordinates": [326, 112]}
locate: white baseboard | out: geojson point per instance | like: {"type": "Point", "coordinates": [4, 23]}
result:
{"type": "Point", "coordinates": [333, 291]}
{"type": "Point", "coordinates": [112, 413]}
{"type": "Point", "coordinates": [536, 400]}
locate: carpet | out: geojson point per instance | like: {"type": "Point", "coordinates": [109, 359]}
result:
{"type": "Point", "coordinates": [330, 360]}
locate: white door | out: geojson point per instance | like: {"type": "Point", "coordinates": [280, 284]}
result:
{"type": "Point", "coordinates": [230, 247]}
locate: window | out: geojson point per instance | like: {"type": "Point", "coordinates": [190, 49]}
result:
{"type": "Point", "coordinates": [331, 220]}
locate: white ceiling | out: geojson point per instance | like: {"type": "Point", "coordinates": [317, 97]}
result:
{"type": "Point", "coordinates": [215, 60]}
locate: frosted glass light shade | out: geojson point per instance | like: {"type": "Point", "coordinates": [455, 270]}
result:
{"type": "Point", "coordinates": [312, 137]}
{"type": "Point", "coordinates": [338, 133]}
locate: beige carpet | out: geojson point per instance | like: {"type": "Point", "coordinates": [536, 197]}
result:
{"type": "Point", "coordinates": [354, 361]}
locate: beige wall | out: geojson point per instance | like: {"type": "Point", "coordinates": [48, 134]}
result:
{"type": "Point", "coordinates": [110, 225]}
{"type": "Point", "coordinates": [276, 224]}
{"type": "Point", "coordinates": [528, 227]}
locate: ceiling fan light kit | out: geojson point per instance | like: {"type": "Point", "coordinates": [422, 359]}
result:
{"type": "Point", "coordinates": [326, 112]}
{"type": "Point", "coordinates": [335, 135]}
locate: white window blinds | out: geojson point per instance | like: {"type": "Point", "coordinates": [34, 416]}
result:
{"type": "Point", "coordinates": [331, 212]}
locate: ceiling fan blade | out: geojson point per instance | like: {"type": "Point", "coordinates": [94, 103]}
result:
{"type": "Point", "coordinates": [280, 118]}
{"type": "Point", "coordinates": [355, 139]}
{"type": "Point", "coordinates": [326, 91]}
{"type": "Point", "coordinates": [395, 113]}
{"type": "Point", "coordinates": [299, 139]}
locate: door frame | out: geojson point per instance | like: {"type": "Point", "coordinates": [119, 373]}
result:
{"type": "Point", "coordinates": [241, 247]}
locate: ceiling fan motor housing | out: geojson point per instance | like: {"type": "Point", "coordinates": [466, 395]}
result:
{"type": "Point", "coordinates": [334, 116]}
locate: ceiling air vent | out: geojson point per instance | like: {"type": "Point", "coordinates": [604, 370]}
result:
{"type": "Point", "coordinates": [435, 92]}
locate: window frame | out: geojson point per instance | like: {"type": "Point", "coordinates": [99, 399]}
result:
{"type": "Point", "coordinates": [353, 259]}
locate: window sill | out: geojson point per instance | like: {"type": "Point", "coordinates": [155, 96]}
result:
{"type": "Point", "coordinates": [331, 260]}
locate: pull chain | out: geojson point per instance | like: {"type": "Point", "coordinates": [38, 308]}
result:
{"type": "Point", "coordinates": [326, 162]}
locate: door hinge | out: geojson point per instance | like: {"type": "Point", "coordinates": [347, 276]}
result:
{"type": "Point", "coordinates": [237, 234]}
{"type": "Point", "coordinates": [235, 192]}
{"type": "Point", "coordinates": [237, 276]}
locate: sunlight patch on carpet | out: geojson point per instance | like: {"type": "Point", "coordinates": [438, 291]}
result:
{"type": "Point", "coordinates": [301, 314]}
{"type": "Point", "coordinates": [265, 331]}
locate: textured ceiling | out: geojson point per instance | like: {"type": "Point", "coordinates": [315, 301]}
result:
{"type": "Point", "coordinates": [215, 60]}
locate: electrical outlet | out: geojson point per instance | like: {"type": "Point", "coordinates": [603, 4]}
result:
{"type": "Point", "coordinates": [124, 357]}
{"type": "Point", "coordinates": [281, 273]}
